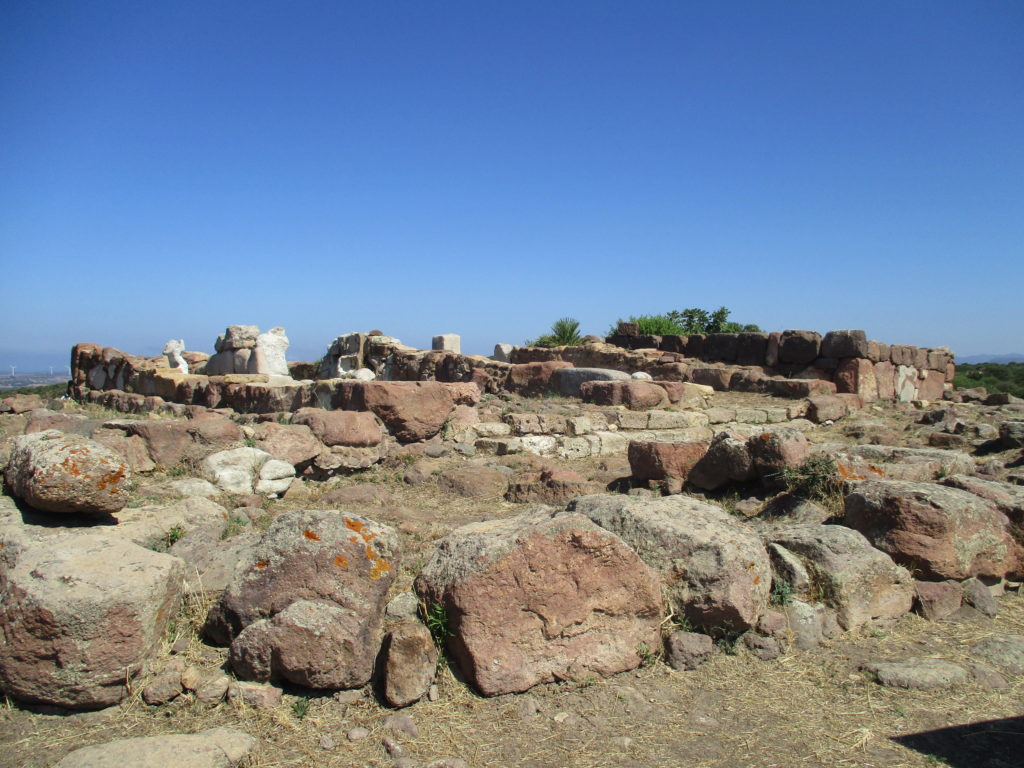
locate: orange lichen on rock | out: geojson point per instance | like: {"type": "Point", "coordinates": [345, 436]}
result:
{"type": "Point", "coordinates": [311, 535]}
{"type": "Point", "coordinates": [341, 561]}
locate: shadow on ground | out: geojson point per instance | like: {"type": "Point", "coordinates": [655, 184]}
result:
{"type": "Point", "coordinates": [986, 744]}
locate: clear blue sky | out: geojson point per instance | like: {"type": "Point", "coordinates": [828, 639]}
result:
{"type": "Point", "coordinates": [484, 168]}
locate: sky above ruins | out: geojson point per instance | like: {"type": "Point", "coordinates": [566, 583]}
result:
{"type": "Point", "coordinates": [486, 168]}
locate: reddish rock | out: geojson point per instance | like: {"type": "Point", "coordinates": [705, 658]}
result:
{"type": "Point", "coordinates": [857, 375]}
{"type": "Point", "coordinates": [464, 393]}
{"type": "Point", "coordinates": [715, 569]}
{"type": "Point", "coordinates": [937, 532]}
{"type": "Point", "coordinates": [822, 408]}
{"type": "Point", "coordinates": [751, 348]}
{"type": "Point", "coordinates": [312, 555]}
{"type": "Point", "coordinates": [550, 486]}
{"type": "Point", "coordinates": [885, 378]}
{"type": "Point", "coordinates": [79, 616]}
{"type": "Point", "coordinates": [799, 346]}
{"type": "Point", "coordinates": [841, 344]}
{"type": "Point", "coordinates": [931, 386]}
{"type": "Point", "coordinates": [800, 387]}
{"type": "Point", "coordinates": [356, 429]}
{"type": "Point", "coordinates": [902, 354]}
{"type": "Point", "coordinates": [658, 461]}
{"type": "Point", "coordinates": [409, 665]}
{"type": "Point", "coordinates": [131, 448]}
{"type": "Point", "coordinates": [531, 599]}
{"type": "Point", "coordinates": [293, 443]}
{"type": "Point", "coordinates": [727, 460]}
{"type": "Point", "coordinates": [474, 482]}
{"type": "Point", "coordinates": [57, 472]}
{"type": "Point", "coordinates": [635, 395]}
{"type": "Point", "coordinates": [936, 600]}
{"type": "Point", "coordinates": [411, 410]}
{"type": "Point", "coordinates": [688, 650]}
{"type": "Point", "coordinates": [20, 403]}
{"type": "Point", "coordinates": [167, 441]}
{"type": "Point", "coordinates": [777, 450]}
{"type": "Point", "coordinates": [533, 379]}
{"type": "Point", "coordinates": [718, 378]}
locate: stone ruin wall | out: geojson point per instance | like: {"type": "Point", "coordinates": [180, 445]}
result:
{"type": "Point", "coordinates": [845, 361]}
{"type": "Point", "coordinates": [791, 363]}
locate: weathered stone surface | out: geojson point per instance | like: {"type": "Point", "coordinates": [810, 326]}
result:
{"type": "Point", "coordinates": [80, 613]}
{"type": "Point", "coordinates": [917, 674]}
{"type": "Point", "coordinates": [857, 376]}
{"type": "Point", "coordinates": [774, 451]}
{"type": "Point", "coordinates": [567, 381]}
{"type": "Point", "coordinates": [235, 470]}
{"type": "Point", "coordinates": [213, 748]}
{"type": "Point", "coordinates": [314, 644]}
{"type": "Point", "coordinates": [977, 595]}
{"type": "Point", "coordinates": [293, 443]}
{"type": "Point", "coordinates": [937, 600]}
{"type": "Point", "coordinates": [255, 695]}
{"type": "Point", "coordinates": [20, 403]}
{"type": "Point", "coordinates": [473, 482]}
{"type": "Point", "coordinates": [861, 583]}
{"type": "Point", "coordinates": [533, 599]}
{"type": "Point", "coordinates": [210, 557]}
{"type": "Point", "coordinates": [447, 342]}
{"type": "Point", "coordinates": [318, 556]}
{"type": "Point", "coordinates": [687, 650]}
{"type": "Point", "coordinates": [822, 408]}
{"type": "Point", "coordinates": [658, 461]}
{"type": "Point", "coordinates": [715, 569]}
{"type": "Point", "coordinates": [409, 664]}
{"type": "Point", "coordinates": [846, 343]}
{"type": "Point", "coordinates": [1003, 651]}
{"type": "Point", "coordinates": [502, 353]}
{"type": "Point", "coordinates": [635, 395]}
{"type": "Point", "coordinates": [165, 686]}
{"type": "Point", "coordinates": [269, 356]}
{"type": "Point", "coordinates": [411, 410]}
{"type": "Point", "coordinates": [799, 346]}
{"type": "Point", "coordinates": [56, 472]}
{"type": "Point", "coordinates": [170, 441]}
{"type": "Point", "coordinates": [358, 429]}
{"type": "Point", "coordinates": [532, 379]}
{"type": "Point", "coordinates": [728, 459]}
{"type": "Point", "coordinates": [941, 532]}
{"type": "Point", "coordinates": [550, 486]}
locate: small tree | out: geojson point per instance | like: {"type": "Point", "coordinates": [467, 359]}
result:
{"type": "Point", "coordinates": [565, 332]}
{"type": "Point", "coordinates": [687, 321]}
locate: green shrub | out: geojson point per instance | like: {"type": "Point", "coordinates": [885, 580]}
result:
{"type": "Point", "coordinates": [686, 322]}
{"type": "Point", "coordinates": [565, 332]}
{"type": "Point", "coordinates": [995, 377]}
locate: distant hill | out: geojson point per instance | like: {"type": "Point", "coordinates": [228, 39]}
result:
{"type": "Point", "coordinates": [991, 359]}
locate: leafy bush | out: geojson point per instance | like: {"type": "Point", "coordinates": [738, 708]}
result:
{"type": "Point", "coordinates": [685, 322]}
{"type": "Point", "coordinates": [565, 332]}
{"type": "Point", "coordinates": [995, 377]}
{"type": "Point", "coordinates": [46, 391]}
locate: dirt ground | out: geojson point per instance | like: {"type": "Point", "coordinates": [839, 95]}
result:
{"type": "Point", "coordinates": [812, 708]}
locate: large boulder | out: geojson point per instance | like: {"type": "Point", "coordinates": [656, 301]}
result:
{"type": "Point", "coordinates": [775, 451]}
{"type": "Point", "coordinates": [533, 379]}
{"type": "Point", "coordinates": [567, 381]}
{"type": "Point", "coordinates": [661, 461]}
{"type": "Point", "coordinates": [293, 443]}
{"type": "Point", "coordinates": [354, 429]}
{"type": "Point", "coordinates": [549, 486]}
{"type": "Point", "coordinates": [57, 472]}
{"type": "Point", "coordinates": [213, 748]}
{"type": "Point", "coordinates": [727, 460]}
{"type": "Point", "coordinates": [169, 441]}
{"type": "Point", "coordinates": [538, 598]}
{"type": "Point", "coordinates": [936, 531]}
{"type": "Point", "coordinates": [79, 615]}
{"type": "Point", "coordinates": [860, 582]}
{"type": "Point", "coordinates": [715, 569]}
{"type": "Point", "coordinates": [411, 410]}
{"type": "Point", "coordinates": [636, 395]}
{"type": "Point", "coordinates": [248, 470]}
{"type": "Point", "coordinates": [339, 567]}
